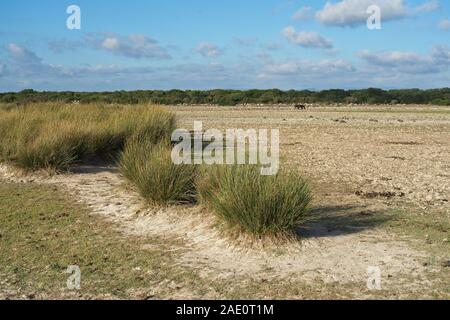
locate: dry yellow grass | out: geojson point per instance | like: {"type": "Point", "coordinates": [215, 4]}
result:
{"type": "Point", "coordinates": [54, 136]}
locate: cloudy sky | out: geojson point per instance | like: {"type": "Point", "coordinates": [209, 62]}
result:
{"type": "Point", "coordinates": [236, 44]}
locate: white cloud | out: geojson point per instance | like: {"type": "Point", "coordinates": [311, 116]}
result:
{"type": "Point", "coordinates": [22, 55]}
{"type": "Point", "coordinates": [444, 24]}
{"type": "Point", "coordinates": [354, 12]}
{"type": "Point", "coordinates": [428, 6]}
{"type": "Point", "coordinates": [135, 46]}
{"type": "Point", "coordinates": [110, 43]}
{"type": "Point", "coordinates": [302, 14]}
{"type": "Point", "coordinates": [16, 50]}
{"type": "Point", "coordinates": [441, 55]}
{"type": "Point", "coordinates": [392, 58]}
{"type": "Point", "coordinates": [106, 70]}
{"type": "Point", "coordinates": [383, 69]}
{"type": "Point", "coordinates": [209, 50]}
{"type": "Point", "coordinates": [313, 74]}
{"type": "Point", "coordinates": [25, 62]}
{"type": "Point", "coordinates": [309, 68]}
{"type": "Point", "coordinates": [306, 39]}
{"type": "Point", "coordinates": [24, 58]}
{"type": "Point", "coordinates": [407, 62]}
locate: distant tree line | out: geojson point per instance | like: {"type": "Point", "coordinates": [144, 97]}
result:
{"type": "Point", "coordinates": [236, 97]}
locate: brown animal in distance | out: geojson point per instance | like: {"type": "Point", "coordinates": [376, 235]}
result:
{"type": "Point", "coordinates": [300, 107]}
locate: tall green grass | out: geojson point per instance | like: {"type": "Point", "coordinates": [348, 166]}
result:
{"type": "Point", "coordinates": [259, 205]}
{"type": "Point", "coordinates": [150, 168]}
{"type": "Point", "coordinates": [53, 136]}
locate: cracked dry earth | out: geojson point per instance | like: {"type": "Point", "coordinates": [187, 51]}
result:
{"type": "Point", "coordinates": [351, 162]}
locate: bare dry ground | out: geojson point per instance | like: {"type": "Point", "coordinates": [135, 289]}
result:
{"type": "Point", "coordinates": [381, 182]}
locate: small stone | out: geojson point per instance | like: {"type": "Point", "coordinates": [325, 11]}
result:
{"type": "Point", "coordinates": [31, 296]}
{"type": "Point", "coordinates": [446, 264]}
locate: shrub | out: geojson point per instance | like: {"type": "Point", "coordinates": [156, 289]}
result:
{"type": "Point", "coordinates": [231, 97]}
{"type": "Point", "coordinates": [441, 102]}
{"type": "Point", "coordinates": [259, 205]}
{"type": "Point", "coordinates": [150, 168]}
{"type": "Point", "coordinates": [51, 136]}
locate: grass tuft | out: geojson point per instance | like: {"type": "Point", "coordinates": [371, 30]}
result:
{"type": "Point", "coordinates": [259, 205]}
{"type": "Point", "coordinates": [150, 168]}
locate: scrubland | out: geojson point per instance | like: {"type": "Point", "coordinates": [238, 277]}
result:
{"type": "Point", "coordinates": [93, 186]}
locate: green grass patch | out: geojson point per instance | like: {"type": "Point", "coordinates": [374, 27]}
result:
{"type": "Point", "coordinates": [42, 233]}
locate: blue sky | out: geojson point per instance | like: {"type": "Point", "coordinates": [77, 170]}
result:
{"type": "Point", "coordinates": [205, 44]}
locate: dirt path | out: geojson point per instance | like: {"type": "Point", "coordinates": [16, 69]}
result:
{"type": "Point", "coordinates": [341, 254]}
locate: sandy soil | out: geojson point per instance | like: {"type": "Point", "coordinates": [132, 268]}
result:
{"type": "Point", "coordinates": [402, 151]}
{"type": "Point", "coordinates": [341, 255]}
